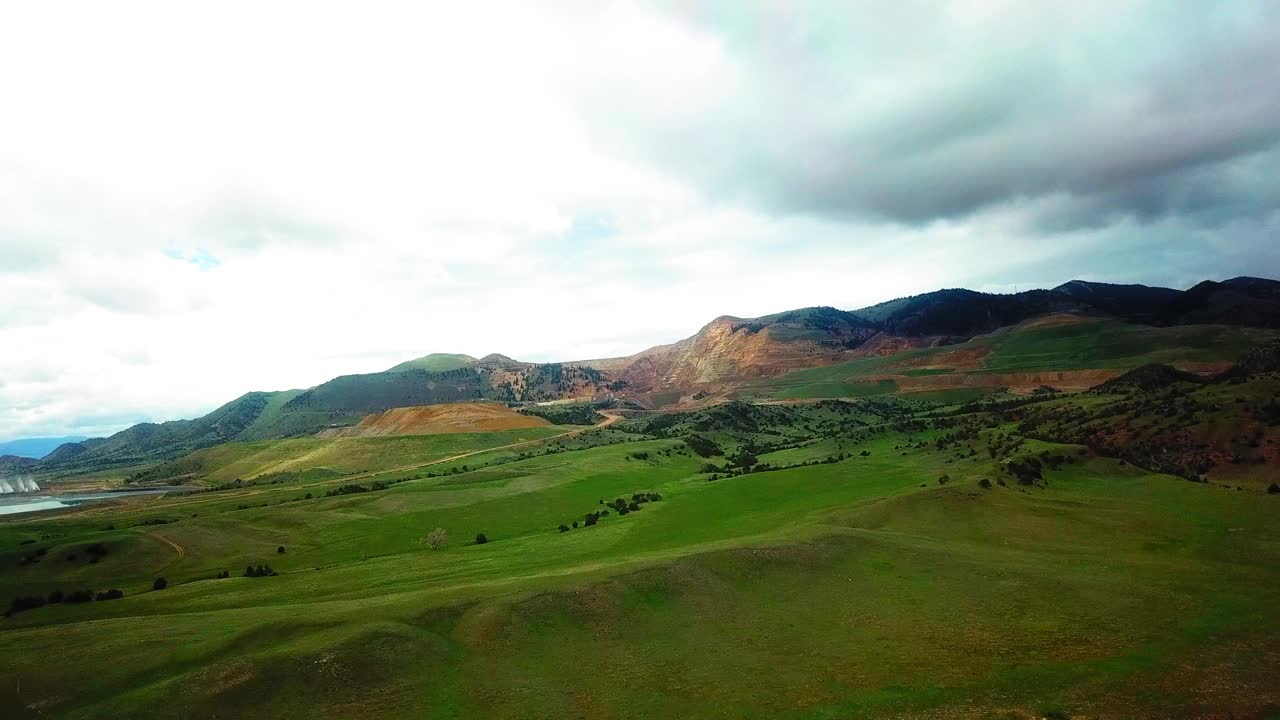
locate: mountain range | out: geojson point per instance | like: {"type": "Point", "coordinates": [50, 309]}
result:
{"type": "Point", "coordinates": [724, 356]}
{"type": "Point", "coordinates": [36, 447]}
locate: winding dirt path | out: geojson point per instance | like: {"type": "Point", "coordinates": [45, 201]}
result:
{"type": "Point", "coordinates": [182, 552]}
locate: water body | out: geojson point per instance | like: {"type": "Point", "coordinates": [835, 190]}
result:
{"type": "Point", "coordinates": [35, 502]}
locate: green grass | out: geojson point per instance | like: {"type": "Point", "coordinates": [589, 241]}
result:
{"type": "Point", "coordinates": [351, 455]}
{"type": "Point", "coordinates": [1113, 344]}
{"type": "Point", "coordinates": [838, 389]}
{"type": "Point", "coordinates": [435, 362]}
{"type": "Point", "coordinates": [1094, 344]}
{"type": "Point", "coordinates": [836, 590]}
{"type": "Point", "coordinates": [951, 396]}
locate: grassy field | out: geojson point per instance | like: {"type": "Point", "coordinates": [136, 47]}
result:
{"type": "Point", "coordinates": [246, 461]}
{"type": "Point", "coordinates": [874, 577]}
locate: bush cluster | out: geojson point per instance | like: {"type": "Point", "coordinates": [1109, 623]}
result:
{"type": "Point", "coordinates": [31, 602]}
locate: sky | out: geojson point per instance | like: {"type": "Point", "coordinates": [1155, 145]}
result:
{"type": "Point", "coordinates": [203, 199]}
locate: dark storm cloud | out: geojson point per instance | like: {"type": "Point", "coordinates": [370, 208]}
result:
{"type": "Point", "coordinates": [928, 111]}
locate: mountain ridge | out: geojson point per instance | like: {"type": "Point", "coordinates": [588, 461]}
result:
{"type": "Point", "coordinates": [724, 349]}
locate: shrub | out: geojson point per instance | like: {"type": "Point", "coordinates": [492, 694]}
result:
{"type": "Point", "coordinates": [112, 594]}
{"type": "Point", "coordinates": [280, 550]}
{"type": "Point", "coordinates": [55, 597]}
{"type": "Point", "coordinates": [703, 446]}
{"type": "Point", "coordinates": [436, 538]}
{"type": "Point", "coordinates": [79, 596]}
{"type": "Point", "coordinates": [1273, 489]}
{"type": "Point", "coordinates": [160, 584]}
{"type": "Point", "coordinates": [24, 602]}
{"type": "Point", "coordinates": [564, 528]}
{"type": "Point", "coordinates": [944, 479]}
{"type": "Point", "coordinates": [985, 484]}
{"type": "Point", "coordinates": [346, 490]}
{"type": "Point", "coordinates": [481, 539]}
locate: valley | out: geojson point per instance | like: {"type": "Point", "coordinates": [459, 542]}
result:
{"type": "Point", "coordinates": [1071, 514]}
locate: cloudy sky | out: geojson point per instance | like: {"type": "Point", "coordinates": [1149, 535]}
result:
{"type": "Point", "coordinates": [197, 200]}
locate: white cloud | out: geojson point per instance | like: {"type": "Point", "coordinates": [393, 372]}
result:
{"type": "Point", "coordinates": [197, 201]}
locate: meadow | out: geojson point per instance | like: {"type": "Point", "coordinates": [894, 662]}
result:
{"type": "Point", "coordinates": [864, 570]}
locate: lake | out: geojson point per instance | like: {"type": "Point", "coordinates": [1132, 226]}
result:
{"type": "Point", "coordinates": [11, 504]}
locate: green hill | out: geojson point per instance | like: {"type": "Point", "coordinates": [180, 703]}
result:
{"type": "Point", "coordinates": [996, 360]}
{"type": "Point", "coordinates": [869, 559]}
{"type": "Point", "coordinates": [435, 362]}
{"type": "Point", "coordinates": [155, 441]}
{"type": "Point", "coordinates": [1125, 326]}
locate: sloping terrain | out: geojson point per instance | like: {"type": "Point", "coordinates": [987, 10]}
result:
{"type": "Point", "coordinates": [434, 419]}
{"type": "Point", "coordinates": [15, 464]}
{"type": "Point", "coordinates": [331, 456]}
{"type": "Point", "coordinates": [870, 559]}
{"type": "Point", "coordinates": [1021, 341]}
{"type": "Point", "coordinates": [964, 313]}
{"type": "Point", "coordinates": [1225, 428]}
{"type": "Point", "coordinates": [156, 441]}
{"type": "Point", "coordinates": [729, 348]}
{"type": "Point", "coordinates": [1072, 352]}
{"type": "Point", "coordinates": [435, 362]}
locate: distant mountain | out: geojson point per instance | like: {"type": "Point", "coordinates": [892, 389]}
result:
{"type": "Point", "coordinates": [1250, 301]}
{"type": "Point", "coordinates": [725, 350]}
{"type": "Point", "coordinates": [493, 377]}
{"type": "Point", "coordinates": [36, 447]}
{"type": "Point", "coordinates": [1138, 303]}
{"type": "Point", "coordinates": [247, 417]}
{"type": "Point", "coordinates": [1247, 301]}
{"type": "Point", "coordinates": [964, 313]}
{"type": "Point", "coordinates": [435, 362]}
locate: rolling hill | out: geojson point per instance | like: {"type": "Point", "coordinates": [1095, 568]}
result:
{"type": "Point", "coordinates": [438, 419]}
{"type": "Point", "coordinates": [950, 341]}
{"type": "Point", "coordinates": [435, 362]}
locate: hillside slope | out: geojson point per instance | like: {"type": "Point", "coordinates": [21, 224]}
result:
{"type": "Point", "coordinates": [934, 337]}
{"type": "Point", "coordinates": [435, 362]}
{"type": "Point", "coordinates": [437, 419]}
